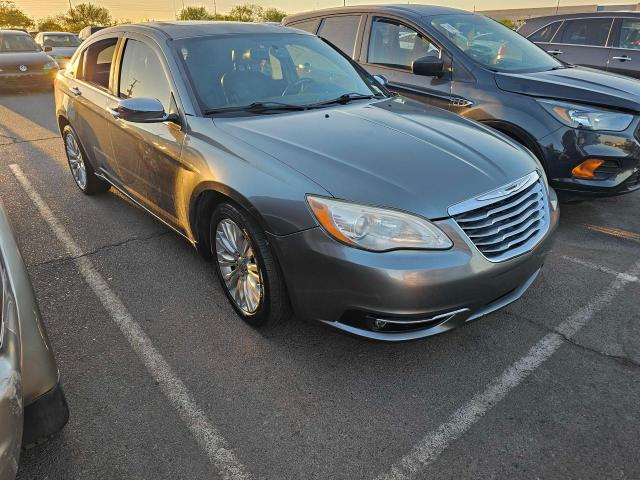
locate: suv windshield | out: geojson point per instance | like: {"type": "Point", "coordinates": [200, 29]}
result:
{"type": "Point", "coordinates": [60, 40]}
{"type": "Point", "coordinates": [16, 42]}
{"type": "Point", "coordinates": [493, 45]}
{"type": "Point", "coordinates": [234, 71]}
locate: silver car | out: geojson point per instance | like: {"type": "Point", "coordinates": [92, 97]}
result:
{"type": "Point", "coordinates": [59, 45]}
{"type": "Point", "coordinates": [304, 179]}
{"type": "Point", "coordinates": [32, 403]}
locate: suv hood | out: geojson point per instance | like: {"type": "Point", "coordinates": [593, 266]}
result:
{"type": "Point", "coordinates": [392, 153]}
{"type": "Point", "coordinates": [576, 84]}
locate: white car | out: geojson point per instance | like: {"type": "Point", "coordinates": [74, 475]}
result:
{"type": "Point", "coordinates": [62, 44]}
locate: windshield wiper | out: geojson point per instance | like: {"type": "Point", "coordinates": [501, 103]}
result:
{"type": "Point", "coordinates": [343, 99]}
{"type": "Point", "coordinates": [257, 107]}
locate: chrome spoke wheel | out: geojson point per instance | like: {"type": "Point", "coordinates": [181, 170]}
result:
{"type": "Point", "coordinates": [76, 161]}
{"type": "Point", "coordinates": [239, 268]}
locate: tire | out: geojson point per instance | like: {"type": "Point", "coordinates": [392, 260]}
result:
{"type": "Point", "coordinates": [258, 269]}
{"type": "Point", "coordinates": [81, 169]}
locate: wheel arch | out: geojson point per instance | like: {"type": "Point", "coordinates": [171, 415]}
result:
{"type": "Point", "coordinates": [518, 134]}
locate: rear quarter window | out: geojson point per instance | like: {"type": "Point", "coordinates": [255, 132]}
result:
{"type": "Point", "coordinates": [341, 31]}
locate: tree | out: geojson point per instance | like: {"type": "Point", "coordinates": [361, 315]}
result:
{"type": "Point", "coordinates": [273, 15]}
{"type": "Point", "coordinates": [195, 13]}
{"type": "Point", "coordinates": [85, 14]}
{"type": "Point", "coordinates": [246, 13]}
{"type": "Point", "coordinates": [508, 23]}
{"type": "Point", "coordinates": [50, 24]}
{"type": "Point", "coordinates": [12, 17]}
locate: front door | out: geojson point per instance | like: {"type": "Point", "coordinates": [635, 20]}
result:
{"type": "Point", "coordinates": [392, 48]}
{"type": "Point", "coordinates": [583, 41]}
{"type": "Point", "coordinates": [148, 154]}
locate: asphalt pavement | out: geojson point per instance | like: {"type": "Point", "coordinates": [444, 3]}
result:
{"type": "Point", "coordinates": [548, 388]}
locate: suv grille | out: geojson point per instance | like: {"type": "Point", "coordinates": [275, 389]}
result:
{"type": "Point", "coordinates": [506, 222]}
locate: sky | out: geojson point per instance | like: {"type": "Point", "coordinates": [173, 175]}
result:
{"type": "Point", "coordinates": [136, 10]}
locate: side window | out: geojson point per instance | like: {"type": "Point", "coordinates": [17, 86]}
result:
{"type": "Point", "coordinates": [308, 25]}
{"type": "Point", "coordinates": [341, 31]}
{"type": "Point", "coordinates": [630, 34]}
{"type": "Point", "coordinates": [142, 75]}
{"type": "Point", "coordinates": [395, 45]}
{"type": "Point", "coordinates": [545, 34]}
{"type": "Point", "coordinates": [95, 63]}
{"type": "Point", "coordinates": [586, 31]}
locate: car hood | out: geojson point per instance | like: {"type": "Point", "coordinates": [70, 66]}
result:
{"type": "Point", "coordinates": [576, 84]}
{"type": "Point", "coordinates": [394, 153]}
{"type": "Point", "coordinates": [30, 59]}
{"type": "Point", "coordinates": [63, 51]}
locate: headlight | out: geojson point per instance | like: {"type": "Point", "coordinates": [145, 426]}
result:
{"type": "Point", "coordinates": [376, 229]}
{"type": "Point", "coordinates": [50, 66]}
{"type": "Point", "coordinates": [584, 116]}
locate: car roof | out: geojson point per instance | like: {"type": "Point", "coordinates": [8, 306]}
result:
{"type": "Point", "coordinates": [186, 29]}
{"type": "Point", "coordinates": [8, 30]}
{"type": "Point", "coordinates": [57, 33]}
{"type": "Point", "coordinates": [406, 10]}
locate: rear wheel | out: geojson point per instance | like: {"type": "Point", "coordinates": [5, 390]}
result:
{"type": "Point", "coordinates": [81, 169]}
{"type": "Point", "coordinates": [246, 267]}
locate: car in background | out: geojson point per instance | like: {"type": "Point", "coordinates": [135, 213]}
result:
{"type": "Point", "coordinates": [86, 32]}
{"type": "Point", "coordinates": [23, 63]}
{"type": "Point", "coordinates": [62, 45]}
{"type": "Point", "coordinates": [605, 40]}
{"type": "Point", "coordinates": [304, 179]}
{"type": "Point", "coordinates": [32, 403]}
{"type": "Point", "coordinates": [582, 124]}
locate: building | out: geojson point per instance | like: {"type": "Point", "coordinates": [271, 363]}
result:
{"type": "Point", "coordinates": [517, 15]}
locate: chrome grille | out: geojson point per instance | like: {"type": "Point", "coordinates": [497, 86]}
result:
{"type": "Point", "coordinates": [508, 221]}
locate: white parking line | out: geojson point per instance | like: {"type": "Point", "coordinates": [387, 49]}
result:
{"type": "Point", "coordinates": [173, 388]}
{"type": "Point", "coordinates": [600, 268]}
{"type": "Point", "coordinates": [431, 446]}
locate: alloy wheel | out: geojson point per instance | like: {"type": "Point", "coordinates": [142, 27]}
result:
{"type": "Point", "coordinates": [238, 265]}
{"type": "Point", "coordinates": [76, 161]}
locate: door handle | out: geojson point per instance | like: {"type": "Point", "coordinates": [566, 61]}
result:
{"type": "Point", "coordinates": [555, 52]}
{"type": "Point", "coordinates": [75, 91]}
{"type": "Point", "coordinates": [623, 58]}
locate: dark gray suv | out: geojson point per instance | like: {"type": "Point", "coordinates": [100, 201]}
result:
{"type": "Point", "coordinates": [581, 123]}
{"type": "Point", "coordinates": [605, 40]}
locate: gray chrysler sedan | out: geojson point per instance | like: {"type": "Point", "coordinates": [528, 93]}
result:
{"type": "Point", "coordinates": [308, 184]}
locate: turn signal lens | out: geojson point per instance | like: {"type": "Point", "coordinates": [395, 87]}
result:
{"type": "Point", "coordinates": [587, 168]}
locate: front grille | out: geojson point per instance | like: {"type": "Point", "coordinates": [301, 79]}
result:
{"type": "Point", "coordinates": [507, 222]}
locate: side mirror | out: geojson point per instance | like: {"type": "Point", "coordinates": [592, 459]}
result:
{"type": "Point", "coordinates": [381, 79]}
{"type": "Point", "coordinates": [428, 66]}
{"type": "Point", "coordinates": [47, 48]}
{"type": "Point", "coordinates": [142, 110]}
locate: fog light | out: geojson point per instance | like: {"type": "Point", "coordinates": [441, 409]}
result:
{"type": "Point", "coordinates": [587, 168]}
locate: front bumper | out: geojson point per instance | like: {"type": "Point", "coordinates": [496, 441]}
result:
{"type": "Point", "coordinates": [567, 148]}
{"type": "Point", "coordinates": [416, 293]}
{"type": "Point", "coordinates": [27, 80]}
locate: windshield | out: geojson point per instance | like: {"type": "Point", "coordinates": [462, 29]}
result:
{"type": "Point", "coordinates": [60, 40]}
{"type": "Point", "coordinates": [493, 45]}
{"type": "Point", "coordinates": [240, 70]}
{"type": "Point", "coordinates": [16, 42]}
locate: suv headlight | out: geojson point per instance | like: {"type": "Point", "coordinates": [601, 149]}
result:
{"type": "Point", "coordinates": [376, 229]}
{"type": "Point", "coordinates": [587, 117]}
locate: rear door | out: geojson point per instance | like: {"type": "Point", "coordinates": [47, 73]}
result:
{"type": "Point", "coordinates": [89, 93]}
{"type": "Point", "coordinates": [148, 154]}
{"type": "Point", "coordinates": [583, 41]}
{"type": "Point", "coordinates": [343, 31]}
{"type": "Point", "coordinates": [624, 56]}
{"type": "Point", "coordinates": [389, 49]}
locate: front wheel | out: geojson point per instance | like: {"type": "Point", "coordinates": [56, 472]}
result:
{"type": "Point", "coordinates": [246, 267]}
{"type": "Point", "coordinates": [81, 169]}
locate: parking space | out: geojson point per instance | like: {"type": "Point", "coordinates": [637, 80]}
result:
{"type": "Point", "coordinates": [546, 388]}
